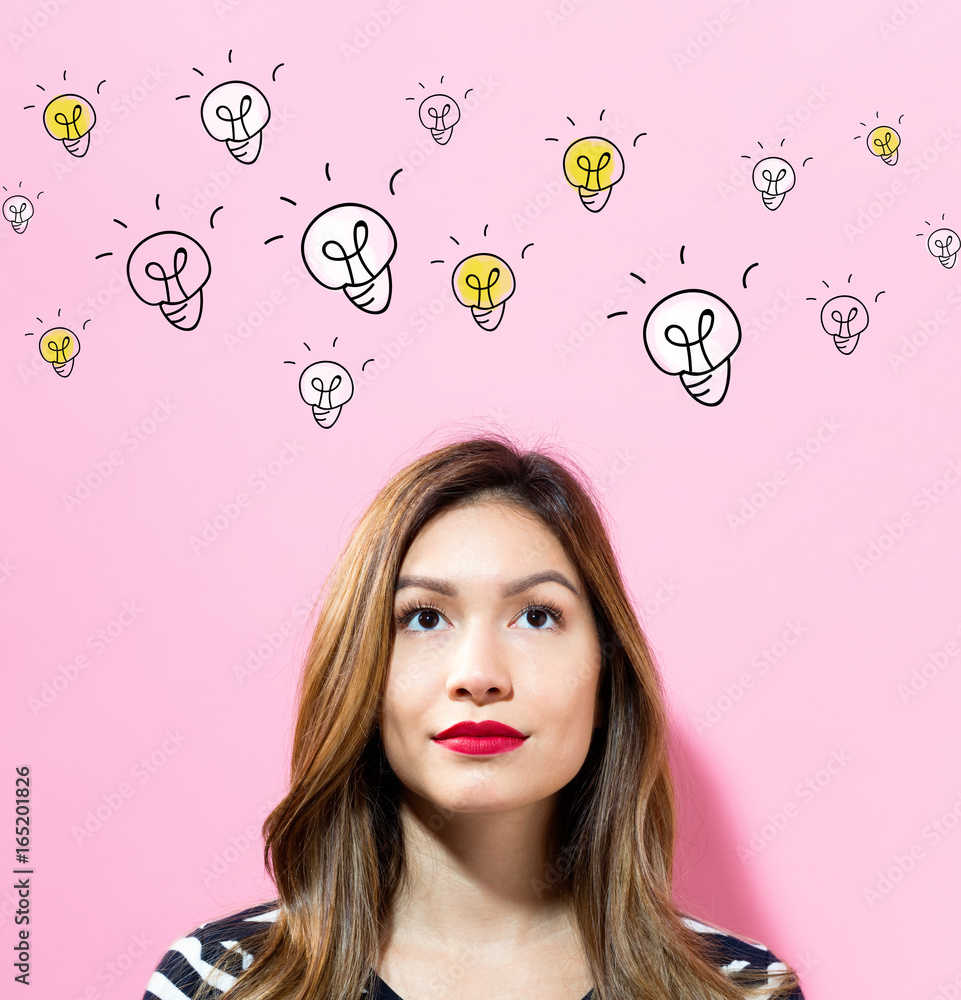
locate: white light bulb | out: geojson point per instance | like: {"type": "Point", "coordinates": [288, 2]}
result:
{"type": "Point", "coordinates": [236, 113]}
{"type": "Point", "coordinates": [845, 318]}
{"type": "Point", "coordinates": [773, 177]}
{"type": "Point", "coordinates": [350, 247]}
{"type": "Point", "coordinates": [692, 334]}
{"type": "Point", "coordinates": [18, 210]}
{"type": "Point", "coordinates": [943, 244]}
{"type": "Point", "coordinates": [326, 386]}
{"type": "Point", "coordinates": [169, 270]}
{"type": "Point", "coordinates": [440, 114]}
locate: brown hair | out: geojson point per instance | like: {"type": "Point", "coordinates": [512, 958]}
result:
{"type": "Point", "coordinates": [334, 844]}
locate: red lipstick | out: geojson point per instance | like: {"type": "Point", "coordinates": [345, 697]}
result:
{"type": "Point", "coordinates": [487, 737]}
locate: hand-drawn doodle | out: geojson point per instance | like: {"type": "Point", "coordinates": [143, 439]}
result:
{"type": "Point", "coordinates": [883, 141]}
{"type": "Point", "coordinates": [236, 113]}
{"type": "Point", "coordinates": [844, 318]}
{"type": "Point", "coordinates": [326, 386]}
{"type": "Point", "coordinates": [773, 177]}
{"type": "Point", "coordinates": [59, 347]}
{"type": "Point", "coordinates": [440, 114]}
{"type": "Point", "coordinates": [593, 165]}
{"type": "Point", "coordinates": [69, 118]}
{"type": "Point", "coordinates": [944, 244]}
{"type": "Point", "coordinates": [169, 269]}
{"type": "Point", "coordinates": [350, 247]}
{"type": "Point", "coordinates": [692, 334]}
{"type": "Point", "coordinates": [484, 282]}
{"type": "Point", "coordinates": [18, 211]}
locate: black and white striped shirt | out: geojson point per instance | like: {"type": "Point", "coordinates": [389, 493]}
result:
{"type": "Point", "coordinates": [190, 959]}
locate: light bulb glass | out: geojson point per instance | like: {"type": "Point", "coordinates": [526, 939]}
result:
{"type": "Point", "coordinates": [845, 318]}
{"type": "Point", "coordinates": [692, 334]}
{"type": "Point", "coordinates": [236, 113]}
{"type": "Point", "coordinates": [440, 114]}
{"type": "Point", "coordinates": [169, 269]}
{"type": "Point", "coordinates": [59, 345]}
{"type": "Point", "coordinates": [326, 386]}
{"type": "Point", "coordinates": [884, 141]}
{"type": "Point", "coordinates": [69, 117]}
{"type": "Point", "coordinates": [18, 210]}
{"type": "Point", "coordinates": [350, 246]}
{"type": "Point", "coordinates": [944, 244]}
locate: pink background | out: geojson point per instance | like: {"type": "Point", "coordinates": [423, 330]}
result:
{"type": "Point", "coordinates": [833, 887]}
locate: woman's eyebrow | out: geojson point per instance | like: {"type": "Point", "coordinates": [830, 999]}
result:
{"type": "Point", "coordinates": [511, 590]}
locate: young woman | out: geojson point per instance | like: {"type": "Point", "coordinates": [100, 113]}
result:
{"type": "Point", "coordinates": [480, 804]}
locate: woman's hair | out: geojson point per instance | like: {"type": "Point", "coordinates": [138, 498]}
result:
{"type": "Point", "coordinates": [334, 844]}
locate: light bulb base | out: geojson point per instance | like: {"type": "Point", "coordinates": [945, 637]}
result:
{"type": "Point", "coordinates": [371, 296]}
{"type": "Point", "coordinates": [891, 158]}
{"type": "Point", "coordinates": [442, 135]}
{"type": "Point", "coordinates": [947, 261]}
{"type": "Point", "coordinates": [77, 147]}
{"type": "Point", "coordinates": [710, 387]}
{"type": "Point", "coordinates": [488, 319]}
{"type": "Point", "coordinates": [594, 201]}
{"type": "Point", "coordinates": [19, 227]}
{"type": "Point", "coordinates": [246, 150]}
{"type": "Point", "coordinates": [184, 315]}
{"type": "Point", "coordinates": [846, 344]}
{"type": "Point", "coordinates": [326, 417]}
{"type": "Point", "coordinates": [771, 201]}
{"type": "Point", "coordinates": [63, 370]}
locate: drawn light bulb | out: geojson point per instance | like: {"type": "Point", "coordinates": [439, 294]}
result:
{"type": "Point", "coordinates": [884, 141]}
{"type": "Point", "coordinates": [440, 114]}
{"type": "Point", "coordinates": [18, 210]}
{"type": "Point", "coordinates": [942, 243]}
{"type": "Point", "coordinates": [60, 346]}
{"type": "Point", "coordinates": [484, 282]}
{"type": "Point", "coordinates": [350, 247]}
{"type": "Point", "coordinates": [169, 270]}
{"type": "Point", "coordinates": [773, 177]}
{"type": "Point", "coordinates": [845, 318]}
{"type": "Point", "coordinates": [326, 386]}
{"type": "Point", "coordinates": [593, 165]}
{"type": "Point", "coordinates": [692, 334]}
{"type": "Point", "coordinates": [236, 113]}
{"type": "Point", "coordinates": [70, 118]}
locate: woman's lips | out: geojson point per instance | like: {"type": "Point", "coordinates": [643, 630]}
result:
{"type": "Point", "coordinates": [481, 744]}
{"type": "Point", "coordinates": [487, 737]}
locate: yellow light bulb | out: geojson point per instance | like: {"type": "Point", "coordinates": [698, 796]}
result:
{"type": "Point", "coordinates": [593, 165]}
{"type": "Point", "coordinates": [59, 347]}
{"type": "Point", "coordinates": [484, 282]}
{"type": "Point", "coordinates": [70, 118]}
{"type": "Point", "coordinates": [884, 141]}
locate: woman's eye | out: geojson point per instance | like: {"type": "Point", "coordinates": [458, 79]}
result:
{"type": "Point", "coordinates": [537, 618]}
{"type": "Point", "coordinates": [425, 620]}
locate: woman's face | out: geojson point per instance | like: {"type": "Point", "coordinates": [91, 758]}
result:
{"type": "Point", "coordinates": [491, 623]}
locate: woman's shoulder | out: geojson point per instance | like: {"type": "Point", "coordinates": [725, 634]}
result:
{"type": "Point", "coordinates": [190, 959]}
{"type": "Point", "coordinates": [733, 953]}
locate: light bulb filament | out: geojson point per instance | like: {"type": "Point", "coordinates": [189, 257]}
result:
{"type": "Point", "coordinates": [944, 247]}
{"type": "Point", "coordinates": [157, 273]}
{"type": "Point", "coordinates": [884, 144]}
{"type": "Point", "coordinates": [318, 384]}
{"type": "Point", "coordinates": [585, 164]}
{"type": "Point", "coordinates": [17, 211]}
{"type": "Point", "coordinates": [772, 182]}
{"type": "Point", "coordinates": [333, 250]}
{"type": "Point", "coordinates": [473, 282]}
{"type": "Point", "coordinates": [439, 118]}
{"type": "Point", "coordinates": [705, 324]}
{"type": "Point", "coordinates": [59, 350]}
{"type": "Point", "coordinates": [223, 113]}
{"type": "Point", "coordinates": [842, 322]}
{"type": "Point", "coordinates": [61, 119]}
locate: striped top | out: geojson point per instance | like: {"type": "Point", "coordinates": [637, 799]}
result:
{"type": "Point", "coordinates": [190, 959]}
